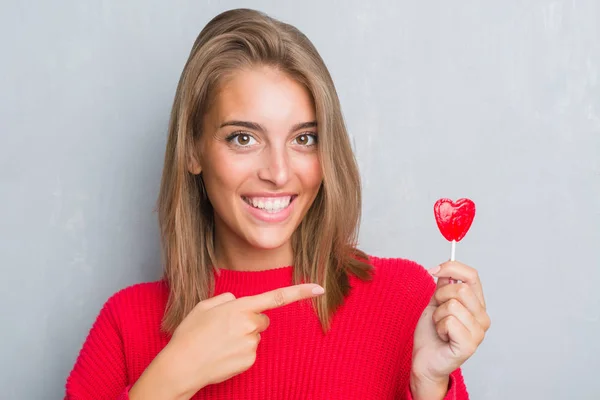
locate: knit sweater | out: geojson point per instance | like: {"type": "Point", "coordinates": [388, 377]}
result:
{"type": "Point", "coordinates": [366, 355]}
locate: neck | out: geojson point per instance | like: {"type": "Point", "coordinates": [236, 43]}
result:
{"type": "Point", "coordinates": [252, 259]}
{"type": "Point", "coordinates": [234, 253]}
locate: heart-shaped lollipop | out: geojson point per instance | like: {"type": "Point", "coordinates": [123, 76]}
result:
{"type": "Point", "coordinates": [454, 218]}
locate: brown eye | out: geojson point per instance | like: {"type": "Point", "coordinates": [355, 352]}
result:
{"type": "Point", "coordinates": [243, 140]}
{"type": "Point", "coordinates": [306, 139]}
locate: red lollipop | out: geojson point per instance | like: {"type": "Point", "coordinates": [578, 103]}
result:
{"type": "Point", "coordinates": [454, 218]}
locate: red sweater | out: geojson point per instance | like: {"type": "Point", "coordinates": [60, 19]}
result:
{"type": "Point", "coordinates": [366, 354]}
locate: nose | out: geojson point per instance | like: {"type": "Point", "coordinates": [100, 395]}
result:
{"type": "Point", "coordinates": [276, 168]}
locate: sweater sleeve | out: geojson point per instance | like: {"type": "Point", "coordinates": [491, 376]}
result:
{"type": "Point", "coordinates": [457, 389]}
{"type": "Point", "coordinates": [100, 370]}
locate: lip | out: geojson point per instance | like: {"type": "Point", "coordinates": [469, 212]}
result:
{"type": "Point", "coordinates": [267, 194]}
{"type": "Point", "coordinates": [265, 216]}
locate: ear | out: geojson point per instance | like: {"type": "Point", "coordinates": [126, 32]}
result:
{"type": "Point", "coordinates": [193, 161]}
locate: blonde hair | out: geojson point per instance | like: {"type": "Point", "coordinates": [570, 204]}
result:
{"type": "Point", "coordinates": [324, 244]}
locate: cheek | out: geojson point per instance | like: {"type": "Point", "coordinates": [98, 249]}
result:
{"type": "Point", "coordinates": [309, 171]}
{"type": "Point", "coordinates": [224, 175]}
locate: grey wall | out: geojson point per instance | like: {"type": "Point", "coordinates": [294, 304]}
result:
{"type": "Point", "coordinates": [498, 101]}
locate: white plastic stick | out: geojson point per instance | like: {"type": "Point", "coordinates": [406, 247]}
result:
{"type": "Point", "coordinates": [453, 258]}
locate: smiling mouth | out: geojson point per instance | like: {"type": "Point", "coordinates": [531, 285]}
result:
{"type": "Point", "coordinates": [271, 205]}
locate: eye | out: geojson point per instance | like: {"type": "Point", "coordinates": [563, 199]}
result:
{"type": "Point", "coordinates": [306, 139]}
{"type": "Point", "coordinates": [241, 139]}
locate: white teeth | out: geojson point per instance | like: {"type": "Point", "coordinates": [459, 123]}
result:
{"type": "Point", "coordinates": [269, 204]}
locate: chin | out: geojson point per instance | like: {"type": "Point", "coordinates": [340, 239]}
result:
{"type": "Point", "coordinates": [269, 239]}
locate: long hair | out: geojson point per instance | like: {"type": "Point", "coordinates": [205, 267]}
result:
{"type": "Point", "coordinates": [324, 244]}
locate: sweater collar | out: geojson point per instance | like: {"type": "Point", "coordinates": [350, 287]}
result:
{"type": "Point", "coordinates": [247, 283]}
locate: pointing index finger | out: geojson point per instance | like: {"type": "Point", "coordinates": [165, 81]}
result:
{"type": "Point", "coordinates": [281, 297]}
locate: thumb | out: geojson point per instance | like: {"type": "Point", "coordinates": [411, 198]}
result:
{"type": "Point", "coordinates": [440, 283]}
{"type": "Point", "coordinates": [217, 300]}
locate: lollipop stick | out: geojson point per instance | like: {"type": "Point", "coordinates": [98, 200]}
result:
{"type": "Point", "coordinates": [453, 258]}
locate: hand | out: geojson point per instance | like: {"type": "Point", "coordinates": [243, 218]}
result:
{"type": "Point", "coordinates": [449, 331]}
{"type": "Point", "coordinates": [215, 342]}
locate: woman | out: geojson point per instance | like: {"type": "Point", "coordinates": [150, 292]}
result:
{"type": "Point", "coordinates": [265, 295]}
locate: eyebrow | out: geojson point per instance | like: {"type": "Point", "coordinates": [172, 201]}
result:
{"type": "Point", "coordinates": [260, 128]}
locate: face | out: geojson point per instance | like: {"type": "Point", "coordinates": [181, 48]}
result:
{"type": "Point", "coordinates": [258, 157]}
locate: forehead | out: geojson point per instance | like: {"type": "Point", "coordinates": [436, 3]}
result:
{"type": "Point", "coordinates": [263, 94]}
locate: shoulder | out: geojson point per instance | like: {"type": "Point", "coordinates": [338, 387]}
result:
{"type": "Point", "coordinates": [399, 281]}
{"type": "Point", "coordinates": [140, 293]}
{"type": "Point", "coordinates": [147, 299]}
{"type": "Point", "coordinates": [400, 272]}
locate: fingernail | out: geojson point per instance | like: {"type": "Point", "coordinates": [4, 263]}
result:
{"type": "Point", "coordinates": [318, 290]}
{"type": "Point", "coordinates": [434, 270]}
